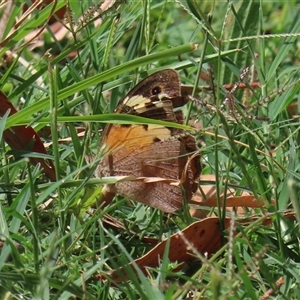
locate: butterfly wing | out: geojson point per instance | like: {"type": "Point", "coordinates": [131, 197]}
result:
{"type": "Point", "coordinates": [164, 160]}
{"type": "Point", "coordinates": [162, 85]}
{"type": "Point", "coordinates": [152, 151]}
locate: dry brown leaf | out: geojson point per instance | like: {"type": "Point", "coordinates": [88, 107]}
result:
{"type": "Point", "coordinates": [292, 108]}
{"type": "Point", "coordinates": [25, 138]}
{"type": "Point", "coordinates": [205, 235]}
{"type": "Point", "coordinates": [206, 195]}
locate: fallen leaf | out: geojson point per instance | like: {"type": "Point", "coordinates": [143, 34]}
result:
{"type": "Point", "coordinates": [25, 138]}
{"type": "Point", "coordinates": [205, 235]}
{"type": "Point", "coordinates": [293, 110]}
{"type": "Point", "coordinates": [206, 195]}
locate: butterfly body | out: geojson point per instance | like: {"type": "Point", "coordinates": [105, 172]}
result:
{"type": "Point", "coordinates": [167, 157]}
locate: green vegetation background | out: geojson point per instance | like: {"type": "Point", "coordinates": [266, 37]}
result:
{"type": "Point", "coordinates": [53, 243]}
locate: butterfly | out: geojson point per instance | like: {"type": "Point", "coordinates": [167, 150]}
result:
{"type": "Point", "coordinates": [164, 154]}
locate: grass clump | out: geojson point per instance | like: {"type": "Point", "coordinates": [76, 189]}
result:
{"type": "Point", "coordinates": [53, 243]}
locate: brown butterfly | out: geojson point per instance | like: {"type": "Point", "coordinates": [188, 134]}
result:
{"type": "Point", "coordinates": [152, 151]}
